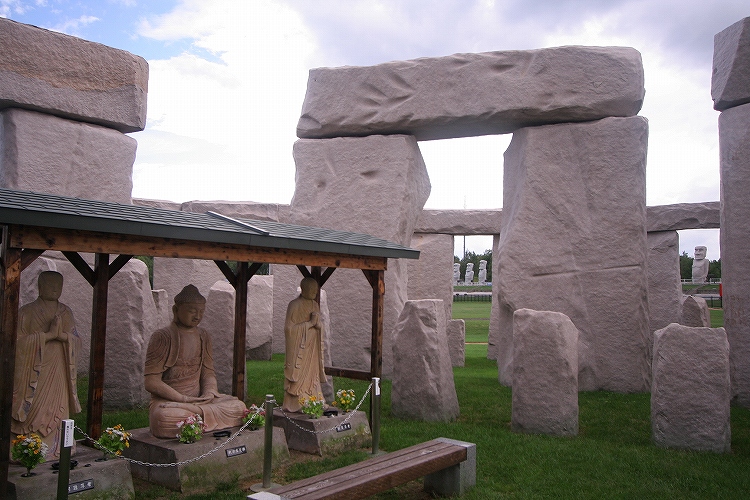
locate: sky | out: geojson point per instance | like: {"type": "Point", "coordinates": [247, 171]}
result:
{"type": "Point", "coordinates": [227, 79]}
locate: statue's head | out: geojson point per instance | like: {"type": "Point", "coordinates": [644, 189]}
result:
{"type": "Point", "coordinates": [189, 306]}
{"type": "Point", "coordinates": [50, 285]}
{"type": "Point", "coordinates": [700, 252]}
{"type": "Point", "coordinates": [309, 288]}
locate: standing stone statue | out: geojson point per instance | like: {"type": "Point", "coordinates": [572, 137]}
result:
{"type": "Point", "coordinates": [44, 388]}
{"type": "Point", "coordinates": [469, 276]}
{"type": "Point", "coordinates": [700, 265]}
{"type": "Point", "coordinates": [483, 271]}
{"type": "Point", "coordinates": [303, 331]}
{"type": "Point", "coordinates": [456, 273]}
{"type": "Point", "coordinates": [180, 376]}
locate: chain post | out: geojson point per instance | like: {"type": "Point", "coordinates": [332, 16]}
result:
{"type": "Point", "coordinates": [375, 414]}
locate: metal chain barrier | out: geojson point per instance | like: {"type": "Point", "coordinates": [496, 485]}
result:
{"type": "Point", "coordinates": [346, 420]}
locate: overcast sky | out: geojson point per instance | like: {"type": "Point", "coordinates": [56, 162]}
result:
{"type": "Point", "coordinates": [228, 77]}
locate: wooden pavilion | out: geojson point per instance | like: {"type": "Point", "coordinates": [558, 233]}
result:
{"type": "Point", "coordinates": [33, 223]}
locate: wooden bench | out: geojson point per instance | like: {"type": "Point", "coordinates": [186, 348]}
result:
{"type": "Point", "coordinates": [449, 468]}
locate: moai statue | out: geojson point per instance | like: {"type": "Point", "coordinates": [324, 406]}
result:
{"type": "Point", "coordinates": [469, 276]}
{"type": "Point", "coordinates": [700, 265]}
{"type": "Point", "coordinates": [456, 273]}
{"type": "Point", "coordinates": [483, 271]}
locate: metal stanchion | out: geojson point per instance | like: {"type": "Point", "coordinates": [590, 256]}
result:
{"type": "Point", "coordinates": [267, 448]}
{"type": "Point", "coordinates": [66, 442]}
{"type": "Point", "coordinates": [375, 412]}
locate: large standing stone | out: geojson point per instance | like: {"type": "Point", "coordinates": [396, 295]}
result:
{"type": "Point", "coordinates": [731, 69]}
{"type": "Point", "coordinates": [574, 241]}
{"type": "Point", "coordinates": [174, 274]}
{"type": "Point", "coordinates": [734, 144]}
{"type": "Point", "coordinates": [375, 185]}
{"type": "Point", "coordinates": [690, 390]}
{"type": "Point", "coordinates": [694, 311]}
{"type": "Point", "coordinates": [47, 154]}
{"type": "Point", "coordinates": [423, 387]}
{"type": "Point", "coordinates": [473, 94]}
{"type": "Point", "coordinates": [70, 77]}
{"type": "Point", "coordinates": [494, 337]}
{"type": "Point", "coordinates": [664, 285]}
{"type": "Point", "coordinates": [431, 276]}
{"type": "Point", "coordinates": [545, 373]}
{"type": "Point", "coordinates": [456, 329]}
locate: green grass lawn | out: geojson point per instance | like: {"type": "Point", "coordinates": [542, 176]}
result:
{"type": "Point", "coordinates": [612, 457]}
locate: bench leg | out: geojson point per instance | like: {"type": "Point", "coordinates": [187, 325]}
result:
{"type": "Point", "coordinates": [457, 479]}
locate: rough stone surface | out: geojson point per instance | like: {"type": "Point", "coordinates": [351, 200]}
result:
{"type": "Point", "coordinates": [574, 241]}
{"type": "Point", "coordinates": [694, 311]}
{"type": "Point", "coordinates": [473, 94]}
{"type": "Point", "coordinates": [240, 209]}
{"type": "Point", "coordinates": [423, 387]}
{"type": "Point", "coordinates": [734, 145]}
{"type": "Point", "coordinates": [731, 69]}
{"type": "Point", "coordinates": [165, 204]}
{"type": "Point", "coordinates": [545, 373]}
{"type": "Point", "coordinates": [683, 216]}
{"type": "Point", "coordinates": [163, 308]}
{"type": "Point", "coordinates": [459, 222]}
{"type": "Point", "coordinates": [70, 77]}
{"type": "Point", "coordinates": [47, 154]}
{"type": "Point", "coordinates": [375, 185]}
{"type": "Point", "coordinates": [690, 391]}
{"type": "Point", "coordinates": [173, 275]}
{"type": "Point", "coordinates": [664, 285]}
{"type": "Point", "coordinates": [431, 276]}
{"type": "Point", "coordinates": [457, 341]}
{"type": "Point", "coordinates": [494, 338]}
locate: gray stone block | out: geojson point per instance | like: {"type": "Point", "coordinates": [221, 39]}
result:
{"type": "Point", "coordinates": [664, 285]}
{"type": "Point", "coordinates": [682, 216]}
{"type": "Point", "coordinates": [457, 479]}
{"type": "Point", "coordinates": [73, 78]}
{"type": "Point", "coordinates": [473, 94]}
{"type": "Point", "coordinates": [694, 311]}
{"type": "Point", "coordinates": [730, 78]}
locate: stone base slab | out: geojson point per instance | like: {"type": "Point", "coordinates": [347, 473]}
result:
{"type": "Point", "coordinates": [242, 458]}
{"type": "Point", "coordinates": [90, 479]}
{"type": "Point", "coordinates": [349, 431]}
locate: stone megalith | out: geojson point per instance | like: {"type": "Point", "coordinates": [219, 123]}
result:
{"type": "Point", "coordinates": [731, 66]}
{"type": "Point", "coordinates": [473, 94]}
{"type": "Point", "coordinates": [375, 185]}
{"type": "Point", "coordinates": [573, 241]}
{"type": "Point", "coordinates": [694, 312]}
{"type": "Point", "coordinates": [690, 389]}
{"type": "Point", "coordinates": [734, 145]}
{"type": "Point", "coordinates": [664, 285]}
{"type": "Point", "coordinates": [73, 78]}
{"type": "Point", "coordinates": [545, 373]}
{"type": "Point", "coordinates": [47, 154]}
{"type": "Point", "coordinates": [174, 274]}
{"type": "Point", "coordinates": [423, 387]}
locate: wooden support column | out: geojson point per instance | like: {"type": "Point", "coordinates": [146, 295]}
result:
{"type": "Point", "coordinates": [95, 406]}
{"type": "Point", "coordinates": [9, 297]}
{"type": "Point", "coordinates": [377, 281]}
{"type": "Point", "coordinates": [240, 331]}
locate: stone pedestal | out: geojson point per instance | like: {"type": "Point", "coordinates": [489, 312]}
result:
{"type": "Point", "coordinates": [90, 479]}
{"type": "Point", "coordinates": [321, 436]}
{"type": "Point", "coordinates": [241, 458]}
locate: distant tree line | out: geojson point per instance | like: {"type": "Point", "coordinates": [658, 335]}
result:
{"type": "Point", "coordinates": [475, 258]}
{"type": "Point", "coordinates": [686, 267]}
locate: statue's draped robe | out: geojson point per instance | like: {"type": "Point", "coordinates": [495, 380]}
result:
{"type": "Point", "coordinates": [191, 374]}
{"type": "Point", "coordinates": [44, 388]}
{"type": "Point", "coordinates": [303, 366]}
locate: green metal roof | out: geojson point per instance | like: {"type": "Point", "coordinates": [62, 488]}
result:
{"type": "Point", "coordinates": [62, 212]}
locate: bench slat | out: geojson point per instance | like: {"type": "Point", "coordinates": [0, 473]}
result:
{"type": "Point", "coordinates": [377, 474]}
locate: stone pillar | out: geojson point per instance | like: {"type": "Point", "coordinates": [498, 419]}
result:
{"type": "Point", "coordinates": [690, 391]}
{"type": "Point", "coordinates": [664, 285]}
{"type": "Point", "coordinates": [423, 387]}
{"type": "Point", "coordinates": [375, 185]}
{"type": "Point", "coordinates": [694, 311]}
{"type": "Point", "coordinates": [173, 275]}
{"type": "Point", "coordinates": [573, 240]}
{"type": "Point", "coordinates": [494, 338]}
{"type": "Point", "coordinates": [545, 373]}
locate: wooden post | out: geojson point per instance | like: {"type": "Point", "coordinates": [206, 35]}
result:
{"type": "Point", "coordinates": [95, 406]}
{"type": "Point", "coordinates": [377, 281]}
{"type": "Point", "coordinates": [9, 290]}
{"type": "Point", "coordinates": [240, 326]}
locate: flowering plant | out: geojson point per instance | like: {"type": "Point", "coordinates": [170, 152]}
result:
{"type": "Point", "coordinates": [191, 429]}
{"type": "Point", "coordinates": [344, 399]}
{"type": "Point", "coordinates": [114, 440]}
{"type": "Point", "coordinates": [256, 416]}
{"type": "Point", "coordinates": [29, 450]}
{"type": "Point", "coordinates": [312, 406]}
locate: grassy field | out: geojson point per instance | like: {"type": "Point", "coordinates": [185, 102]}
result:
{"type": "Point", "coordinates": [612, 457]}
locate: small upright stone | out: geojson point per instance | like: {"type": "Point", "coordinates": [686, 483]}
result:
{"type": "Point", "coordinates": [731, 70]}
{"type": "Point", "coordinates": [690, 390]}
{"type": "Point", "coordinates": [694, 311]}
{"type": "Point", "coordinates": [545, 373]}
{"type": "Point", "coordinates": [423, 387]}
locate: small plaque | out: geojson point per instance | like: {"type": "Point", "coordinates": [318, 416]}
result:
{"type": "Point", "coordinates": [239, 450]}
{"type": "Point", "coordinates": [77, 487]}
{"type": "Point", "coordinates": [344, 427]}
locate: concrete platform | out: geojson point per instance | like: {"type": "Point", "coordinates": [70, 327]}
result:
{"type": "Point", "coordinates": [240, 459]}
{"type": "Point", "coordinates": [345, 431]}
{"type": "Point", "coordinates": [90, 479]}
